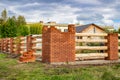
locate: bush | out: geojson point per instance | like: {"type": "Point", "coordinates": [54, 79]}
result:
{"type": "Point", "coordinates": [22, 30]}
{"type": "Point", "coordinates": [35, 28]}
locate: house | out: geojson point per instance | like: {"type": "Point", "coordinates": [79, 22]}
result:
{"type": "Point", "coordinates": [89, 28]}
{"type": "Point", "coordinates": [60, 26]}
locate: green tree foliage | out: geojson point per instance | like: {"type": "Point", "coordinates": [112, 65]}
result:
{"type": "Point", "coordinates": [0, 30]}
{"type": "Point", "coordinates": [4, 15]}
{"type": "Point", "coordinates": [14, 18]}
{"type": "Point", "coordinates": [35, 28]}
{"type": "Point", "coordinates": [21, 20]}
{"type": "Point", "coordinates": [1, 21]}
{"type": "Point", "coordinates": [12, 26]}
{"type": "Point", "coordinates": [22, 30]}
{"type": "Point", "coordinates": [119, 30]}
{"type": "Point", "coordinates": [9, 29]}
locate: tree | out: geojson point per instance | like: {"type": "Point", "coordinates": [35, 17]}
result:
{"type": "Point", "coordinates": [36, 28]}
{"type": "Point", "coordinates": [22, 30]}
{"type": "Point", "coordinates": [9, 29]}
{"type": "Point", "coordinates": [1, 21]}
{"type": "Point", "coordinates": [14, 18]}
{"type": "Point", "coordinates": [0, 31]}
{"type": "Point", "coordinates": [21, 20]}
{"type": "Point", "coordinates": [4, 15]}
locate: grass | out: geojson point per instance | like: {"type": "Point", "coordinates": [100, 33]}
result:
{"type": "Point", "coordinates": [10, 69]}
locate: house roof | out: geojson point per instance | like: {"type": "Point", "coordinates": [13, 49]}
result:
{"type": "Point", "coordinates": [82, 27]}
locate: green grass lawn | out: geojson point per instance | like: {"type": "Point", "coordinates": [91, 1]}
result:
{"type": "Point", "coordinates": [10, 69]}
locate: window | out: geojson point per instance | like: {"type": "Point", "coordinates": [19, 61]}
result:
{"type": "Point", "coordinates": [65, 30]}
{"type": "Point", "coordinates": [89, 37]}
{"type": "Point", "coordinates": [79, 37]}
{"type": "Point", "coordinates": [94, 30]}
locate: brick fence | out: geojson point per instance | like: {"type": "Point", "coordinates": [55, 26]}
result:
{"type": "Point", "coordinates": [60, 46]}
{"type": "Point", "coordinates": [18, 45]}
{"type": "Point", "coordinates": [57, 46]}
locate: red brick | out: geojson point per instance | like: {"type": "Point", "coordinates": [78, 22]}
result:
{"type": "Point", "coordinates": [112, 46]}
{"type": "Point", "coordinates": [58, 46]}
{"type": "Point", "coordinates": [27, 57]}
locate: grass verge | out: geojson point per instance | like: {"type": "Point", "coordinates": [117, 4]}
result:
{"type": "Point", "coordinates": [10, 69]}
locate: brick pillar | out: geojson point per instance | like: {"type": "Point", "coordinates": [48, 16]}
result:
{"type": "Point", "coordinates": [3, 49]}
{"type": "Point", "coordinates": [7, 43]}
{"type": "Point", "coordinates": [18, 45]}
{"type": "Point", "coordinates": [29, 43]}
{"type": "Point", "coordinates": [2, 45]}
{"type": "Point", "coordinates": [11, 45]}
{"type": "Point", "coordinates": [58, 46]}
{"type": "Point", "coordinates": [112, 46]}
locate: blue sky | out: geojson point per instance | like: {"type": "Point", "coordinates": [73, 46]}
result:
{"type": "Point", "coordinates": [106, 12]}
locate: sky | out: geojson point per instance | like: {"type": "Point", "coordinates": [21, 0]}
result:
{"type": "Point", "coordinates": [105, 12]}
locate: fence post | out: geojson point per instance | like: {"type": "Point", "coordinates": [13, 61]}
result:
{"type": "Point", "coordinates": [11, 45]}
{"type": "Point", "coordinates": [112, 46]}
{"type": "Point", "coordinates": [29, 43]}
{"type": "Point", "coordinates": [18, 45]}
{"type": "Point", "coordinates": [2, 45]}
{"type": "Point", "coordinates": [6, 46]}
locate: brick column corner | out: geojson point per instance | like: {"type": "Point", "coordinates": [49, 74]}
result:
{"type": "Point", "coordinates": [11, 45]}
{"type": "Point", "coordinates": [58, 46]}
{"type": "Point", "coordinates": [29, 42]}
{"type": "Point", "coordinates": [112, 46]}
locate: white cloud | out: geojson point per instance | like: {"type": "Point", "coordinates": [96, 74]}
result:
{"type": "Point", "coordinates": [95, 11]}
{"type": "Point", "coordinates": [107, 21]}
{"type": "Point", "coordinates": [88, 1]}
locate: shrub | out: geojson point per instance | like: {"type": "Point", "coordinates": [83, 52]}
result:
{"type": "Point", "coordinates": [22, 30]}
{"type": "Point", "coordinates": [35, 28]}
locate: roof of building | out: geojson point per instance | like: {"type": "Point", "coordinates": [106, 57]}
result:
{"type": "Point", "coordinates": [82, 27]}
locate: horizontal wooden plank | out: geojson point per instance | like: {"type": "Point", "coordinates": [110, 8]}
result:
{"type": "Point", "coordinates": [119, 47]}
{"type": "Point", "coordinates": [23, 47]}
{"type": "Point", "coordinates": [118, 40]}
{"type": "Point", "coordinates": [88, 40]}
{"type": "Point", "coordinates": [119, 35]}
{"type": "Point", "coordinates": [119, 54]}
{"type": "Point", "coordinates": [91, 47]}
{"type": "Point", "coordinates": [36, 41]}
{"type": "Point", "coordinates": [37, 47]}
{"type": "Point", "coordinates": [23, 42]}
{"type": "Point", "coordinates": [83, 56]}
{"type": "Point", "coordinates": [91, 34]}
{"type": "Point", "coordinates": [23, 38]}
{"type": "Point", "coordinates": [37, 36]}
{"type": "Point", "coordinates": [91, 54]}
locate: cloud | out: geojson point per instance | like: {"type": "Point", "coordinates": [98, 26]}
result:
{"type": "Point", "coordinates": [65, 11]}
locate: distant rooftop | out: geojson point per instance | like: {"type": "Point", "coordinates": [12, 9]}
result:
{"type": "Point", "coordinates": [82, 27]}
{"type": "Point", "coordinates": [53, 23]}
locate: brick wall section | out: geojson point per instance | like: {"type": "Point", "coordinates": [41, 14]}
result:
{"type": "Point", "coordinates": [2, 45]}
{"type": "Point", "coordinates": [3, 48]}
{"type": "Point", "coordinates": [11, 45]}
{"type": "Point", "coordinates": [58, 46]}
{"type": "Point", "coordinates": [29, 42]}
{"type": "Point", "coordinates": [6, 44]}
{"type": "Point", "coordinates": [112, 46]}
{"type": "Point", "coordinates": [18, 46]}
{"type": "Point", "coordinates": [30, 45]}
